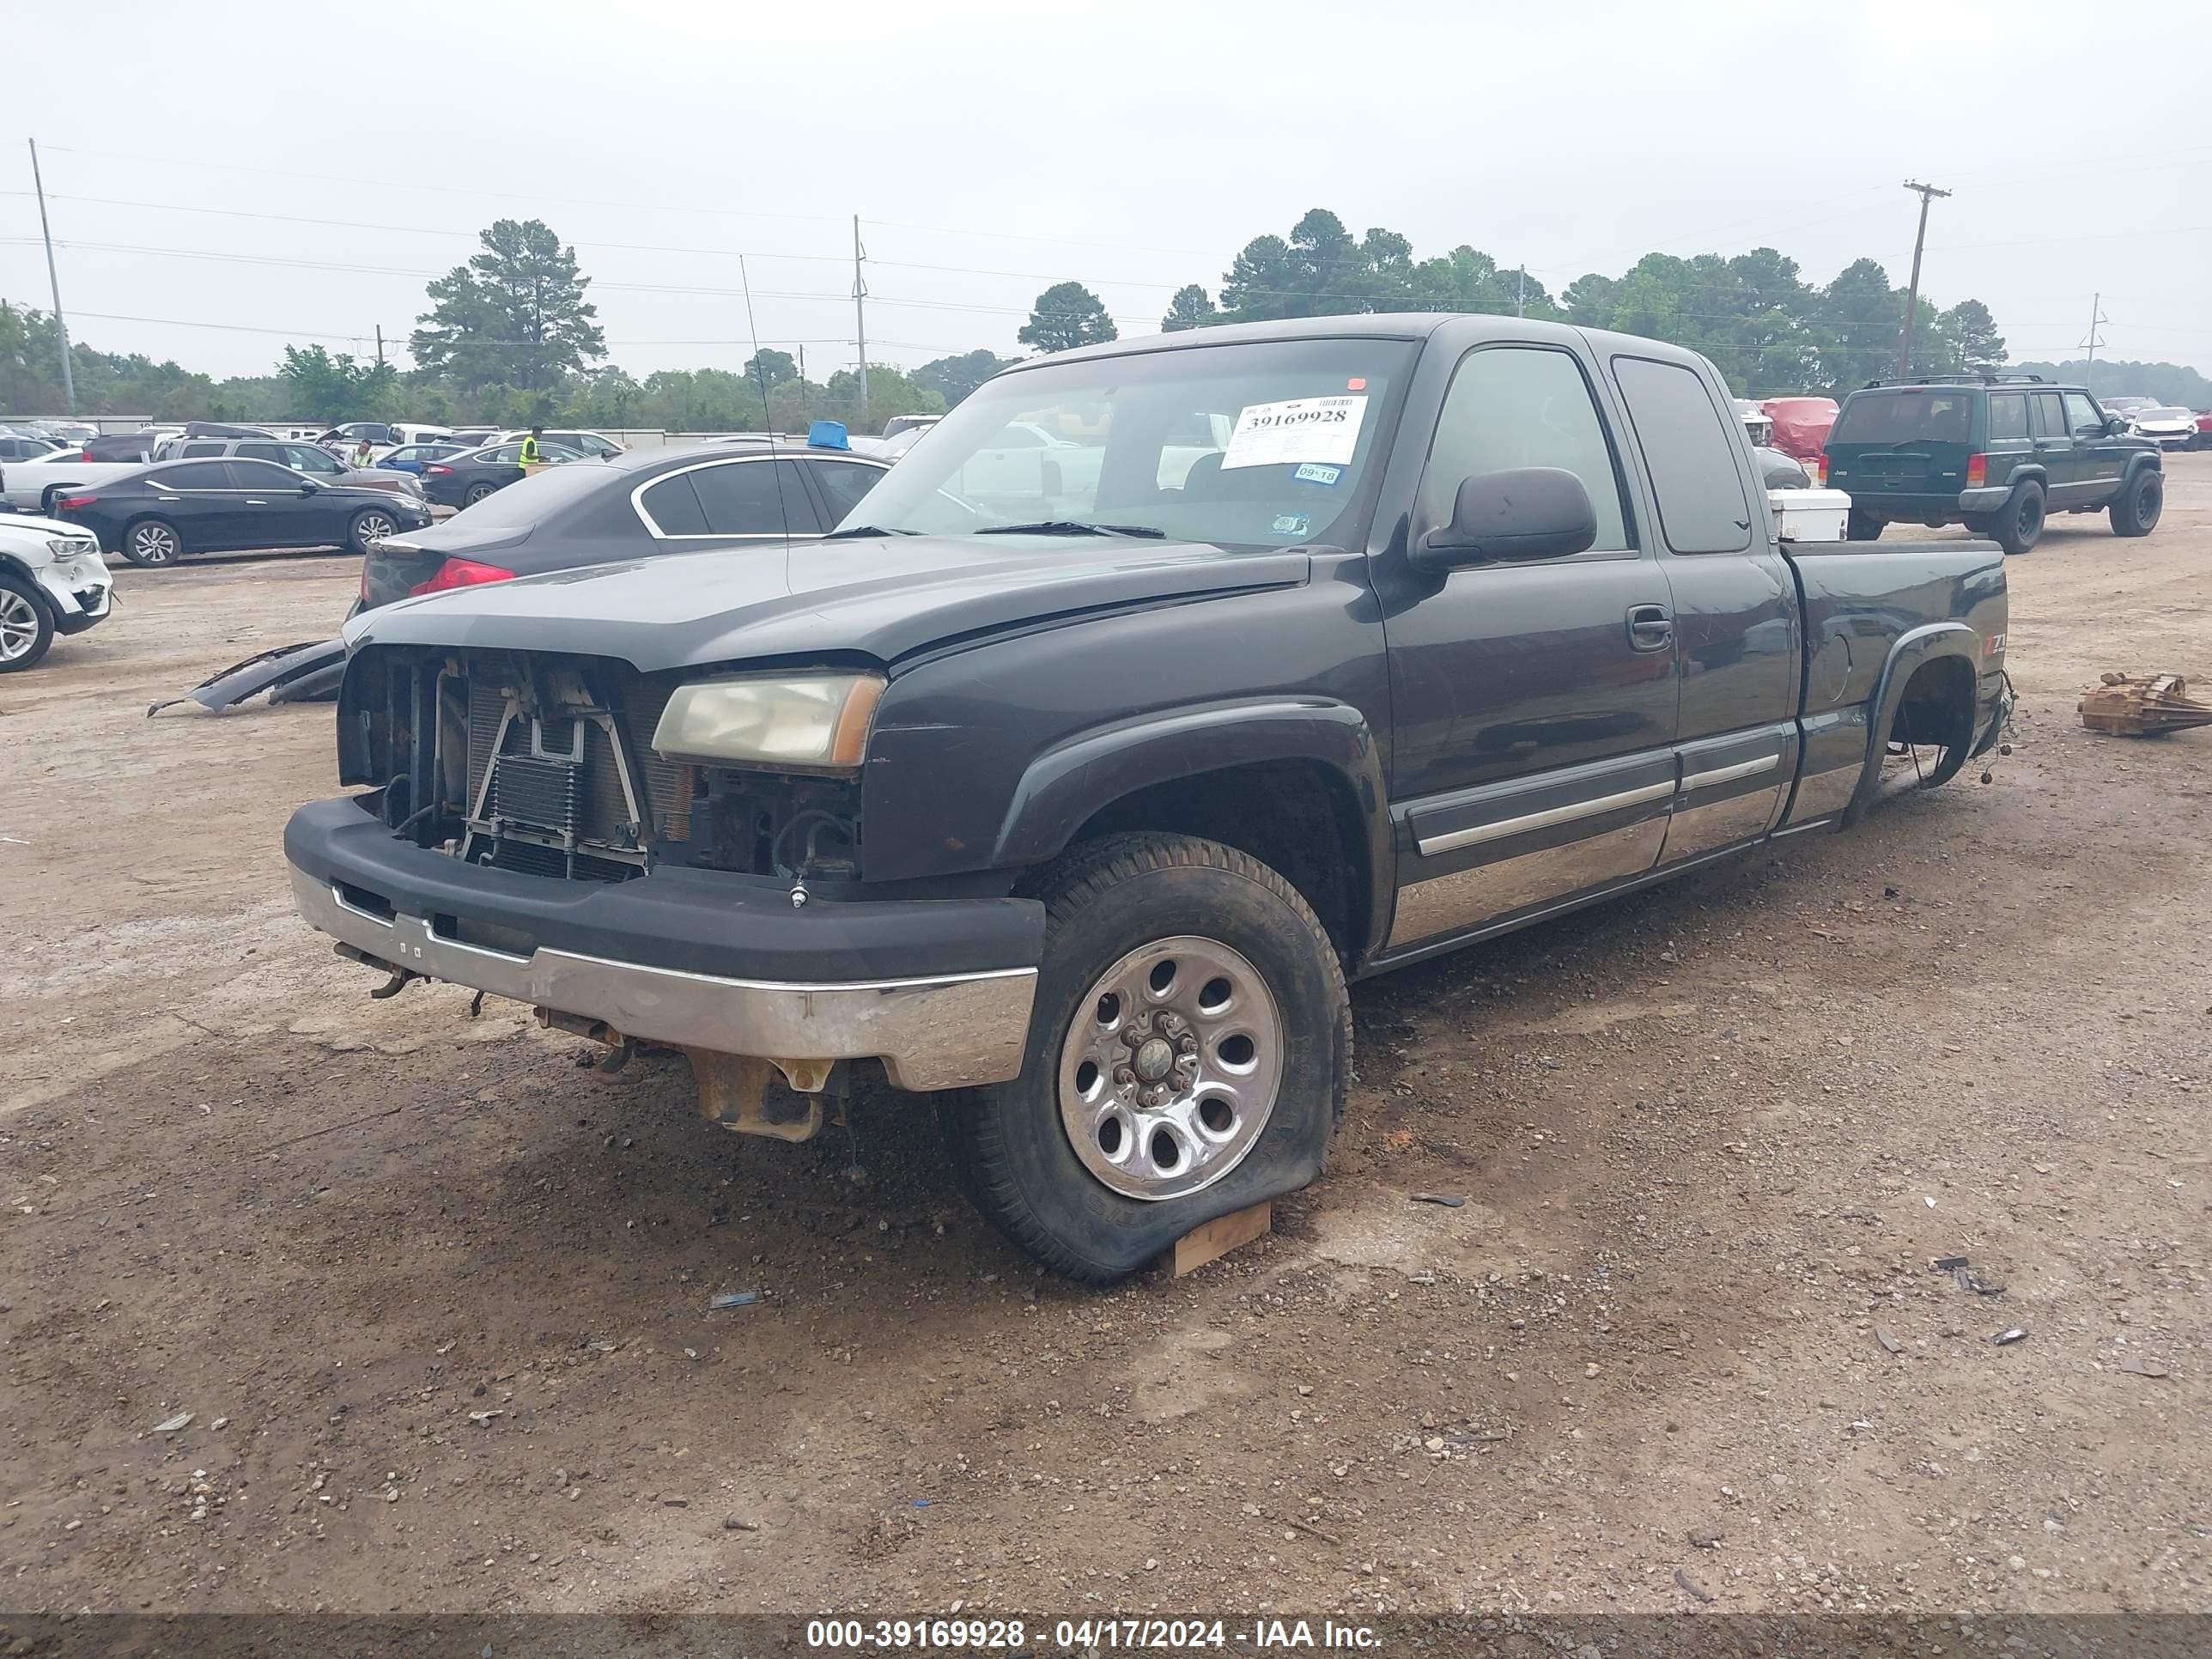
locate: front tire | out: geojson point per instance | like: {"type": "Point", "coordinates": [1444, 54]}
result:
{"type": "Point", "coordinates": [2135, 510]}
{"type": "Point", "coordinates": [1862, 526]}
{"type": "Point", "coordinates": [2020, 522]}
{"type": "Point", "coordinates": [26, 628]}
{"type": "Point", "coordinates": [1189, 1054]}
{"type": "Point", "coordinates": [368, 529]}
{"type": "Point", "coordinates": [153, 541]}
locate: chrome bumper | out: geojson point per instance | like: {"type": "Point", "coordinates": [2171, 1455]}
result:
{"type": "Point", "coordinates": [946, 1033]}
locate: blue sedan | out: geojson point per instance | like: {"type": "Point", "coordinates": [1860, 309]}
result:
{"type": "Point", "coordinates": [413, 458]}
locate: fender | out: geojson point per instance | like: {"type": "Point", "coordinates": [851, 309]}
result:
{"type": "Point", "coordinates": [1915, 647]}
{"type": "Point", "coordinates": [2149, 458]}
{"type": "Point", "coordinates": [39, 596]}
{"type": "Point", "coordinates": [2028, 471]}
{"type": "Point", "coordinates": [1068, 784]}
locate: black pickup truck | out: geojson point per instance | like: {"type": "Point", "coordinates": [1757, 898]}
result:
{"type": "Point", "coordinates": [1162, 688]}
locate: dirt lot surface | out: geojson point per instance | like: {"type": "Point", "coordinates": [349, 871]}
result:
{"type": "Point", "coordinates": [436, 1299]}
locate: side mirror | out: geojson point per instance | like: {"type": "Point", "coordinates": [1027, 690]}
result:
{"type": "Point", "coordinates": [2115, 425]}
{"type": "Point", "coordinates": [1527, 513]}
{"type": "Point", "coordinates": [308, 486]}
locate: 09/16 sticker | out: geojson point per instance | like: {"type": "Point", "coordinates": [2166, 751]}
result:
{"type": "Point", "coordinates": [1322, 430]}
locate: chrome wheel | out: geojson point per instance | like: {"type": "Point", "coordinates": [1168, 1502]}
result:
{"type": "Point", "coordinates": [1171, 1067]}
{"type": "Point", "coordinates": [154, 544]}
{"type": "Point", "coordinates": [19, 626]}
{"type": "Point", "coordinates": [372, 528]}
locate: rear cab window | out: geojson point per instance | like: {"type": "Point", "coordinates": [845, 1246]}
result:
{"type": "Point", "coordinates": [1694, 453]}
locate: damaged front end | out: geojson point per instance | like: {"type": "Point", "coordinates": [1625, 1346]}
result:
{"type": "Point", "coordinates": [519, 806]}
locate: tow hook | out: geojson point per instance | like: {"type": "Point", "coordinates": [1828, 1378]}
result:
{"type": "Point", "coordinates": [401, 977]}
{"type": "Point", "coordinates": [392, 987]}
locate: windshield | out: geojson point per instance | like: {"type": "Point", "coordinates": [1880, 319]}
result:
{"type": "Point", "coordinates": [1898, 418]}
{"type": "Point", "coordinates": [1266, 444]}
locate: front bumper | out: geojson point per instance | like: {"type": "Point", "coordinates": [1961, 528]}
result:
{"type": "Point", "coordinates": [79, 590]}
{"type": "Point", "coordinates": [939, 990]}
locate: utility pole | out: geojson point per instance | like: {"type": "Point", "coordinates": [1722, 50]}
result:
{"type": "Point", "coordinates": [1520, 294]}
{"type": "Point", "coordinates": [61, 327]}
{"type": "Point", "coordinates": [1912, 295]}
{"type": "Point", "coordinates": [379, 347]}
{"type": "Point", "coordinates": [802, 362]}
{"type": "Point", "coordinates": [2097, 319]}
{"type": "Point", "coordinates": [860, 315]}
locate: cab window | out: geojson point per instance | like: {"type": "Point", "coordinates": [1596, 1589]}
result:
{"type": "Point", "coordinates": [1692, 451]}
{"type": "Point", "coordinates": [1517, 406]}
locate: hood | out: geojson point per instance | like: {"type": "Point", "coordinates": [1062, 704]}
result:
{"type": "Point", "coordinates": [882, 600]}
{"type": "Point", "coordinates": [32, 524]}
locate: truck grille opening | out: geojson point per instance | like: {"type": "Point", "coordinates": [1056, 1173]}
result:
{"type": "Point", "coordinates": [561, 781]}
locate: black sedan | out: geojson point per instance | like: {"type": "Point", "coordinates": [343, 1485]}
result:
{"type": "Point", "coordinates": [464, 480]}
{"type": "Point", "coordinates": [156, 514]}
{"type": "Point", "coordinates": [630, 506]}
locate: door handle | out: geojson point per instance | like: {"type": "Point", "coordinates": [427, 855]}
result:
{"type": "Point", "coordinates": [1649, 628]}
{"type": "Point", "coordinates": [255, 502]}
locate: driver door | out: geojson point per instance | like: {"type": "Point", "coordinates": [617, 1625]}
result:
{"type": "Point", "coordinates": [1534, 702]}
{"type": "Point", "coordinates": [2099, 456]}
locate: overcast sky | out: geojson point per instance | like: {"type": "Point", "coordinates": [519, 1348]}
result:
{"type": "Point", "coordinates": [992, 149]}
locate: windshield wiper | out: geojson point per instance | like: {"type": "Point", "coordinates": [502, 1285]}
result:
{"type": "Point", "coordinates": [1069, 528]}
{"type": "Point", "coordinates": [868, 530]}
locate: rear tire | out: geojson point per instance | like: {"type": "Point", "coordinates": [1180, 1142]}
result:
{"type": "Point", "coordinates": [27, 627]}
{"type": "Point", "coordinates": [2018, 524]}
{"type": "Point", "coordinates": [153, 541]}
{"type": "Point", "coordinates": [1864, 527]}
{"type": "Point", "coordinates": [2135, 510]}
{"type": "Point", "coordinates": [476, 493]}
{"type": "Point", "coordinates": [1188, 955]}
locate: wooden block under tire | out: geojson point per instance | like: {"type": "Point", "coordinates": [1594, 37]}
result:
{"type": "Point", "coordinates": [1219, 1236]}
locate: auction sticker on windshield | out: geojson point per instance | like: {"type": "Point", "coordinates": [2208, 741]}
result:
{"type": "Point", "coordinates": [1296, 431]}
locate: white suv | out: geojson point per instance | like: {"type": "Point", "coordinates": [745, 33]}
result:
{"type": "Point", "coordinates": [53, 581]}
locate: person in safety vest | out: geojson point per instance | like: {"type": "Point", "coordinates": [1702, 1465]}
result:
{"type": "Point", "coordinates": [531, 451]}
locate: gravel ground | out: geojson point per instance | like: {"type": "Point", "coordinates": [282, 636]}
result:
{"type": "Point", "coordinates": [435, 1298]}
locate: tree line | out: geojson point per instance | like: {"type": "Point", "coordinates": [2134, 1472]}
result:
{"type": "Point", "coordinates": [511, 336]}
{"type": "Point", "coordinates": [1768, 329]}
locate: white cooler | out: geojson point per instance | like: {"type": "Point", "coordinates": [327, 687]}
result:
{"type": "Point", "coordinates": [1809, 515]}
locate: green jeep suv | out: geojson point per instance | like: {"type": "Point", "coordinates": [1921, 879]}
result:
{"type": "Point", "coordinates": [1995, 453]}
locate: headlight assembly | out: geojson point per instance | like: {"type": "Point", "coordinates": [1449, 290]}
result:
{"type": "Point", "coordinates": [801, 722]}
